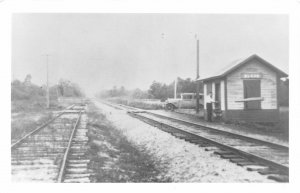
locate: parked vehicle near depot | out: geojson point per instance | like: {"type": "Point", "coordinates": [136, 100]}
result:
{"type": "Point", "coordinates": [186, 101]}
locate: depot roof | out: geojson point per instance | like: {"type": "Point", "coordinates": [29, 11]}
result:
{"type": "Point", "coordinates": [239, 63]}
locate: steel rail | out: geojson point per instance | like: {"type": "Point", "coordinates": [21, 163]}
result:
{"type": "Point", "coordinates": [247, 155]}
{"type": "Point", "coordinates": [65, 158]}
{"type": "Point", "coordinates": [111, 105]}
{"type": "Point", "coordinates": [224, 132]}
{"type": "Point", "coordinates": [14, 145]}
{"type": "Point", "coordinates": [212, 129]}
{"type": "Point", "coordinates": [129, 107]}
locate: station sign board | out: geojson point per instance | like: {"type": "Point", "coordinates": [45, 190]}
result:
{"type": "Point", "coordinates": [251, 75]}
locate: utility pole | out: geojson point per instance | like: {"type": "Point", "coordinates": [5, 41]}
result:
{"type": "Point", "coordinates": [47, 89]}
{"type": "Point", "coordinates": [175, 89]}
{"type": "Point", "coordinates": [197, 77]}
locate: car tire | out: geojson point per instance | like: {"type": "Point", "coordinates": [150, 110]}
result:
{"type": "Point", "coordinates": [170, 107]}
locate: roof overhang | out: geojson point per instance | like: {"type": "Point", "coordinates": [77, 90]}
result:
{"type": "Point", "coordinates": [279, 72]}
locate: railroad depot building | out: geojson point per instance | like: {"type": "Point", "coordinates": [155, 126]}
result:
{"type": "Point", "coordinates": [247, 90]}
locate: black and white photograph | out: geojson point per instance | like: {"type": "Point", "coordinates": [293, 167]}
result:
{"type": "Point", "coordinates": [149, 97]}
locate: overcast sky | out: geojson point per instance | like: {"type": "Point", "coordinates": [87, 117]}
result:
{"type": "Point", "coordinates": [98, 51]}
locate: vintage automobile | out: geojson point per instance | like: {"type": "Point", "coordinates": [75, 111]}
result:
{"type": "Point", "coordinates": [186, 101]}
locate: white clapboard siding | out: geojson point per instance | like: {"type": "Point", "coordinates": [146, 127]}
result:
{"type": "Point", "coordinates": [235, 87]}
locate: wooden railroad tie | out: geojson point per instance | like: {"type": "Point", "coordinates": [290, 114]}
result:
{"type": "Point", "coordinates": [268, 171]}
{"type": "Point", "coordinates": [222, 152]}
{"type": "Point", "coordinates": [279, 178]}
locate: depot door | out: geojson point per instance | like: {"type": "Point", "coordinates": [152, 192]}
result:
{"type": "Point", "coordinates": [251, 90]}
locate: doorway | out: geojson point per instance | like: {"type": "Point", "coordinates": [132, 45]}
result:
{"type": "Point", "coordinates": [252, 90]}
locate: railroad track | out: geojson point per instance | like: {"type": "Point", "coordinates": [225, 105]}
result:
{"type": "Point", "coordinates": [256, 155]}
{"type": "Point", "coordinates": [54, 152]}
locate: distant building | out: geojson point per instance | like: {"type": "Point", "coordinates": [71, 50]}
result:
{"type": "Point", "coordinates": [247, 90]}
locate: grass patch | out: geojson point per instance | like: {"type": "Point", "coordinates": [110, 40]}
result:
{"type": "Point", "coordinates": [138, 103]}
{"type": "Point", "coordinates": [28, 114]}
{"type": "Point", "coordinates": [23, 123]}
{"type": "Point", "coordinates": [279, 130]}
{"type": "Point", "coordinates": [33, 105]}
{"type": "Point", "coordinates": [114, 158]}
{"type": "Point", "coordinates": [146, 106]}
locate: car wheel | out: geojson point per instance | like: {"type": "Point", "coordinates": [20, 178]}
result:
{"type": "Point", "coordinates": [170, 107]}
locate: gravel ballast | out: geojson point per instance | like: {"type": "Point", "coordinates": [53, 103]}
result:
{"type": "Point", "coordinates": [182, 161]}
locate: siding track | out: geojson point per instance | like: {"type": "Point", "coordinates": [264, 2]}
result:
{"type": "Point", "coordinates": [55, 151]}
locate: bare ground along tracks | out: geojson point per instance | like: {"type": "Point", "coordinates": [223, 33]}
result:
{"type": "Point", "coordinates": [54, 152]}
{"type": "Point", "coordinates": [257, 155]}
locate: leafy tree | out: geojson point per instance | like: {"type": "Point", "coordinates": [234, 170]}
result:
{"type": "Point", "coordinates": [157, 90]}
{"type": "Point", "coordinates": [22, 91]}
{"type": "Point", "coordinates": [27, 80]}
{"type": "Point", "coordinates": [162, 91]}
{"type": "Point", "coordinates": [114, 92]}
{"type": "Point", "coordinates": [139, 94]}
{"type": "Point", "coordinates": [67, 88]}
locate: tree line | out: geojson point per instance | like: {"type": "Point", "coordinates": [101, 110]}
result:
{"type": "Point", "coordinates": [157, 90]}
{"type": "Point", "coordinates": [26, 90]}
